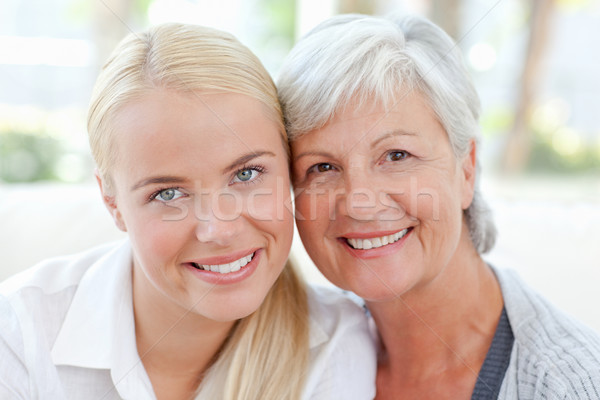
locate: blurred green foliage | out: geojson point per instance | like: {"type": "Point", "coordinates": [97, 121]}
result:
{"type": "Point", "coordinates": [555, 149]}
{"type": "Point", "coordinates": [281, 16]}
{"type": "Point", "coordinates": [28, 157]}
{"type": "Point", "coordinates": [496, 121]}
{"type": "Point", "coordinates": [33, 154]}
{"type": "Point", "coordinates": [546, 159]}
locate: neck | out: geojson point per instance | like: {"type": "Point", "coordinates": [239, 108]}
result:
{"type": "Point", "coordinates": [175, 345]}
{"type": "Point", "coordinates": [447, 323]}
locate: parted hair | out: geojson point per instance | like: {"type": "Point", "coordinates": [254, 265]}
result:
{"type": "Point", "coordinates": [181, 57]}
{"type": "Point", "coordinates": [355, 59]}
{"type": "Point", "coordinates": [266, 353]}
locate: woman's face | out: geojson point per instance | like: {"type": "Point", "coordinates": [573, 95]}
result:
{"type": "Point", "coordinates": [380, 198]}
{"type": "Point", "coordinates": [201, 185]}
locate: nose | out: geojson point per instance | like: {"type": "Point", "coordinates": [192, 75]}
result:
{"type": "Point", "coordinates": [222, 233]}
{"type": "Point", "coordinates": [219, 221]}
{"type": "Point", "coordinates": [365, 197]}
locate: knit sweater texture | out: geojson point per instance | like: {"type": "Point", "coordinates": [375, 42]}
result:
{"type": "Point", "coordinates": [553, 356]}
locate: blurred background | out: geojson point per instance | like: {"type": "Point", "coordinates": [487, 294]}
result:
{"type": "Point", "coordinates": [535, 64]}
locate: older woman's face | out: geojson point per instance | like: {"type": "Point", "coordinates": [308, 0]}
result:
{"type": "Point", "coordinates": [201, 184]}
{"type": "Point", "coordinates": [380, 199]}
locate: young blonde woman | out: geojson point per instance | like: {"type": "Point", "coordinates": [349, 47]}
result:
{"type": "Point", "coordinates": [198, 302]}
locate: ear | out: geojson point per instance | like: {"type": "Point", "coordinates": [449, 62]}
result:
{"type": "Point", "coordinates": [110, 202]}
{"type": "Point", "coordinates": [469, 172]}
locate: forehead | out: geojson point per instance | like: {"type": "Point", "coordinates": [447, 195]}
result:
{"type": "Point", "coordinates": [171, 118]}
{"type": "Point", "coordinates": [366, 122]}
{"type": "Point", "coordinates": [170, 128]}
{"type": "Point", "coordinates": [157, 109]}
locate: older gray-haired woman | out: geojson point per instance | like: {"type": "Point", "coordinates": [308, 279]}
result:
{"type": "Point", "coordinates": [383, 120]}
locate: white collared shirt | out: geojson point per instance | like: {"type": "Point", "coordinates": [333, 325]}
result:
{"type": "Point", "coordinates": [67, 332]}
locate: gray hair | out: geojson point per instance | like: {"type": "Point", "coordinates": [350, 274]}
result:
{"type": "Point", "coordinates": [355, 58]}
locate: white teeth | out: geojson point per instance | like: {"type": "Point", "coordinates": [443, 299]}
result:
{"type": "Point", "coordinates": [230, 267]}
{"type": "Point", "coordinates": [373, 243]}
{"type": "Point", "coordinates": [224, 268]}
{"type": "Point", "coordinates": [235, 266]}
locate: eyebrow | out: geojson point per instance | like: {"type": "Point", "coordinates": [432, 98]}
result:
{"type": "Point", "coordinates": [375, 143]}
{"type": "Point", "coordinates": [177, 180]}
{"type": "Point", "coordinates": [392, 134]}
{"type": "Point", "coordinates": [312, 153]}
{"type": "Point", "coordinates": [158, 179]}
{"type": "Point", "coordinates": [243, 159]}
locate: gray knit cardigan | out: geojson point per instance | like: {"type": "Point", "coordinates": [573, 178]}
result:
{"type": "Point", "coordinates": [553, 356]}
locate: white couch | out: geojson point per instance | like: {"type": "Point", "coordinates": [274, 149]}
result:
{"type": "Point", "coordinates": [554, 245]}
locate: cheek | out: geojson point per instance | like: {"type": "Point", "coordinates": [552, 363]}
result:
{"type": "Point", "coordinates": [425, 203]}
{"type": "Point", "coordinates": [421, 197]}
{"type": "Point", "coordinates": [269, 210]}
{"type": "Point", "coordinates": [278, 232]}
{"type": "Point", "coordinates": [312, 220]}
{"type": "Point", "coordinates": [312, 236]}
{"type": "Point", "coordinates": [157, 241]}
{"type": "Point", "coordinates": [433, 202]}
{"type": "Point", "coordinates": [270, 202]}
{"type": "Point", "coordinates": [314, 205]}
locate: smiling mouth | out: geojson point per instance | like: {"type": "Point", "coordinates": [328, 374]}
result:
{"type": "Point", "coordinates": [226, 268]}
{"type": "Point", "coordinates": [376, 242]}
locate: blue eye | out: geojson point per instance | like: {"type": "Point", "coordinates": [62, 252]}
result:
{"type": "Point", "coordinates": [396, 155]}
{"type": "Point", "coordinates": [167, 194]}
{"type": "Point", "coordinates": [247, 174]}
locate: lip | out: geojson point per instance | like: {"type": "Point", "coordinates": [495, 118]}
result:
{"type": "Point", "coordinates": [377, 252]}
{"type": "Point", "coordinates": [217, 278]}
{"type": "Point", "coordinates": [226, 259]}
{"type": "Point", "coordinates": [369, 235]}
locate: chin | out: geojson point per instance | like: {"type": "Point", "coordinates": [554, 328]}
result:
{"type": "Point", "coordinates": [375, 289]}
{"type": "Point", "coordinates": [232, 312]}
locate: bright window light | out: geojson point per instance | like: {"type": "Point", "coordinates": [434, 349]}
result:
{"type": "Point", "coordinates": [226, 15]}
{"type": "Point", "coordinates": [20, 50]}
{"type": "Point", "coordinates": [482, 56]}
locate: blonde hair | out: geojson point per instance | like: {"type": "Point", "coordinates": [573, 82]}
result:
{"type": "Point", "coordinates": [179, 57]}
{"type": "Point", "coordinates": [266, 354]}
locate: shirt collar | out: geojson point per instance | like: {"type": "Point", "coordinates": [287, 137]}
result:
{"type": "Point", "coordinates": [99, 330]}
{"type": "Point", "coordinates": [317, 335]}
